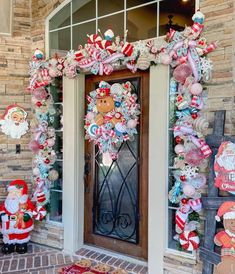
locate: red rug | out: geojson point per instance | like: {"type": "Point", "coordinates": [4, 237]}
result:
{"type": "Point", "coordinates": [85, 266]}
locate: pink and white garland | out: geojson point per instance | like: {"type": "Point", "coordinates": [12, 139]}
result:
{"type": "Point", "coordinates": [185, 53]}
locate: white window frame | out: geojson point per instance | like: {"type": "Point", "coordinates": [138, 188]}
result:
{"type": "Point", "coordinates": [11, 16]}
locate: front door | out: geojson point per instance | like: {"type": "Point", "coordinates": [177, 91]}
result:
{"type": "Point", "coordinates": [116, 196]}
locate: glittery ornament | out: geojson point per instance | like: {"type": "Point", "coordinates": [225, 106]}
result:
{"type": "Point", "coordinates": [53, 175]}
{"type": "Point", "coordinates": [181, 73]}
{"type": "Point", "coordinates": [143, 62]}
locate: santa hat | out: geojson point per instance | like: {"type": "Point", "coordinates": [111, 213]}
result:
{"type": "Point", "coordinates": [13, 108]}
{"type": "Point", "coordinates": [226, 210]}
{"type": "Point", "coordinates": [19, 184]}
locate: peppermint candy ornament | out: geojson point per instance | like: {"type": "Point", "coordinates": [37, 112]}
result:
{"type": "Point", "coordinates": [40, 213]}
{"type": "Point", "coordinates": [189, 240]}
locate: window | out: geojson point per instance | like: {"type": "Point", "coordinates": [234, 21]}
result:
{"type": "Point", "coordinates": [6, 16]}
{"type": "Point", "coordinates": [142, 18]}
{"type": "Point", "coordinates": [57, 124]}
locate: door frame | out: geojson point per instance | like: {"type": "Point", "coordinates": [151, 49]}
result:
{"type": "Point", "coordinates": [73, 165]}
{"type": "Point", "coordinates": [139, 250]}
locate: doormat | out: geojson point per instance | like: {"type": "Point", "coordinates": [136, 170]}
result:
{"type": "Point", "coordinates": [84, 266]}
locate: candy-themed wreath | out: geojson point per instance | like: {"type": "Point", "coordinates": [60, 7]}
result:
{"type": "Point", "coordinates": [186, 52]}
{"type": "Point", "coordinates": [112, 117]}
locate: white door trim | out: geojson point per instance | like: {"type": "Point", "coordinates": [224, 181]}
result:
{"type": "Point", "coordinates": [73, 192]}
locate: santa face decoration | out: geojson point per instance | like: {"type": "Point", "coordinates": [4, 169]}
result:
{"type": "Point", "coordinates": [13, 122]}
{"type": "Point", "coordinates": [225, 167]}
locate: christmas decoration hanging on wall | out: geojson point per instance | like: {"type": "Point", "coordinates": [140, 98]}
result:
{"type": "Point", "coordinates": [226, 238]}
{"type": "Point", "coordinates": [224, 167]}
{"type": "Point", "coordinates": [13, 122]}
{"type": "Point", "coordinates": [112, 117]}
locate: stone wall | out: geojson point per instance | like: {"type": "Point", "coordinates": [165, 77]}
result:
{"type": "Point", "coordinates": [15, 52]}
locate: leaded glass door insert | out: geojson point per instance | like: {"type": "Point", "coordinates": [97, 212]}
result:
{"type": "Point", "coordinates": [116, 193]}
{"type": "Point", "coordinates": [115, 205]}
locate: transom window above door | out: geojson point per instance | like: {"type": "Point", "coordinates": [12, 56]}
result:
{"type": "Point", "coordinates": [142, 18]}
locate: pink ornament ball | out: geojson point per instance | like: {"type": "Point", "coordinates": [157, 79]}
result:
{"type": "Point", "coordinates": [196, 89]}
{"type": "Point", "coordinates": [179, 149]}
{"type": "Point", "coordinates": [34, 146]}
{"type": "Point", "coordinates": [189, 190]}
{"type": "Point", "coordinates": [194, 157]}
{"type": "Point", "coordinates": [182, 72]}
{"type": "Point", "coordinates": [53, 73]}
{"type": "Point", "coordinates": [36, 171]}
{"type": "Point", "coordinates": [50, 142]}
{"type": "Point", "coordinates": [40, 94]}
{"type": "Point", "coordinates": [165, 59]}
{"type": "Point", "coordinates": [132, 123]}
{"type": "Point", "coordinates": [90, 115]}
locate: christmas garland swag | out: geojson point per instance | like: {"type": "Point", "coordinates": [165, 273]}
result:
{"type": "Point", "coordinates": [108, 128]}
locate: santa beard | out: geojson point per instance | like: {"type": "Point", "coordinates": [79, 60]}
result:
{"type": "Point", "coordinates": [9, 127]}
{"type": "Point", "coordinates": [12, 205]}
{"type": "Point", "coordinates": [226, 161]}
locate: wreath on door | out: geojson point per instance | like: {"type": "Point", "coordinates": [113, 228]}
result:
{"type": "Point", "coordinates": [112, 116]}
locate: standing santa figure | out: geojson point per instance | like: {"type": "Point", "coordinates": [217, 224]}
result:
{"type": "Point", "coordinates": [16, 218]}
{"type": "Point", "coordinates": [13, 122]}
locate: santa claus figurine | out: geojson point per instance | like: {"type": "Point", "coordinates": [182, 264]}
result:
{"type": "Point", "coordinates": [226, 238]}
{"type": "Point", "coordinates": [13, 122]}
{"type": "Point", "coordinates": [16, 218]}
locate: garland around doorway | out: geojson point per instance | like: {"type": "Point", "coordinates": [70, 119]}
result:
{"type": "Point", "coordinates": [186, 53]}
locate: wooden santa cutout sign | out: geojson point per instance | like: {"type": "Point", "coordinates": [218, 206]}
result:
{"type": "Point", "coordinates": [224, 167]}
{"type": "Point", "coordinates": [226, 238]}
{"type": "Point", "coordinates": [13, 122]}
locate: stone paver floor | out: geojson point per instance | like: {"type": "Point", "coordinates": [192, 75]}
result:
{"type": "Point", "coordinates": [46, 260]}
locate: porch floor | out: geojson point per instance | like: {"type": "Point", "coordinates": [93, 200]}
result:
{"type": "Point", "coordinates": [45, 260]}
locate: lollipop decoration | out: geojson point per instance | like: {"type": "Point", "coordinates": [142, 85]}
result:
{"type": "Point", "coordinates": [112, 117]}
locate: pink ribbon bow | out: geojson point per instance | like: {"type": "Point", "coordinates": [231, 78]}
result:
{"type": "Point", "coordinates": [40, 129]}
{"type": "Point", "coordinates": [183, 130]}
{"type": "Point", "coordinates": [100, 62]}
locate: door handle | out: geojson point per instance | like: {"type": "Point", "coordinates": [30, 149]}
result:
{"type": "Point", "coordinates": [87, 170]}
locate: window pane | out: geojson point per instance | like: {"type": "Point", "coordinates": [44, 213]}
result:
{"type": "Point", "coordinates": [133, 3]}
{"type": "Point", "coordinates": [83, 10]}
{"type": "Point", "coordinates": [60, 40]}
{"type": "Point", "coordinates": [80, 31]}
{"type": "Point", "coordinates": [56, 206]}
{"type": "Point", "coordinates": [5, 14]}
{"type": "Point", "coordinates": [175, 15]}
{"type": "Point", "coordinates": [61, 19]}
{"type": "Point", "coordinates": [107, 6]}
{"type": "Point", "coordinates": [142, 23]}
{"type": "Point", "coordinates": [115, 22]}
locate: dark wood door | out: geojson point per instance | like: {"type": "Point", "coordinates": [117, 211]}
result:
{"type": "Point", "coordinates": [116, 197]}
